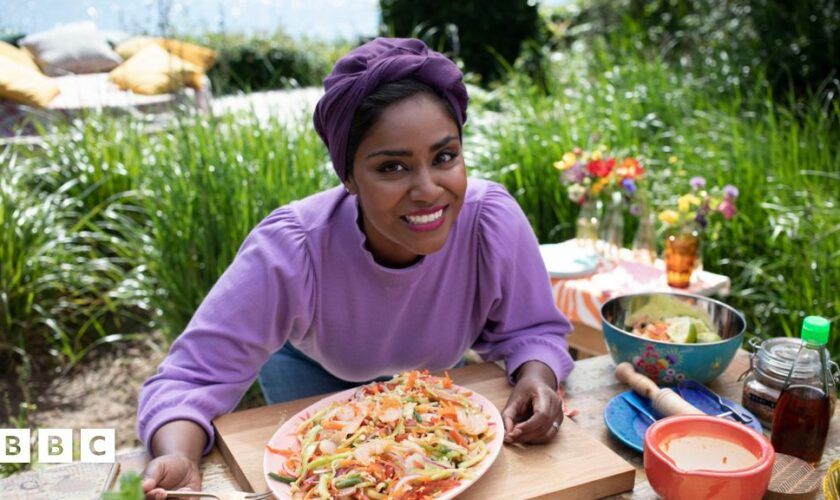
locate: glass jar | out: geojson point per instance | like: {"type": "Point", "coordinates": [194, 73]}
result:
{"type": "Point", "coordinates": [612, 236]}
{"type": "Point", "coordinates": [644, 241]}
{"type": "Point", "coordinates": [770, 364]}
{"type": "Point", "coordinates": [587, 224]}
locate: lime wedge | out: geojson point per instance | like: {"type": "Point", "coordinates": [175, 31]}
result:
{"type": "Point", "coordinates": [682, 330]}
{"type": "Point", "coordinates": [704, 337]}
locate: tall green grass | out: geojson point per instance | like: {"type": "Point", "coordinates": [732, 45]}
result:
{"type": "Point", "coordinates": [216, 178]}
{"type": "Point", "coordinates": [172, 205]}
{"type": "Point", "coordinates": [59, 291]}
{"type": "Point", "coordinates": [783, 249]}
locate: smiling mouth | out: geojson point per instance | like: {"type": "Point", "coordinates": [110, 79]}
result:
{"type": "Point", "coordinates": [425, 221]}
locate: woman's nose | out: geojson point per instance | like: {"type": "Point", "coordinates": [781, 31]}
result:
{"type": "Point", "coordinates": [424, 185]}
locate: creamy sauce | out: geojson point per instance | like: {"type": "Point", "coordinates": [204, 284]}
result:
{"type": "Point", "coordinates": [707, 453]}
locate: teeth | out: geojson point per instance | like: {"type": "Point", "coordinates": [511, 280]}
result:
{"type": "Point", "coordinates": [424, 219]}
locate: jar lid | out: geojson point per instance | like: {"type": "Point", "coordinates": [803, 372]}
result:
{"type": "Point", "coordinates": [776, 356]}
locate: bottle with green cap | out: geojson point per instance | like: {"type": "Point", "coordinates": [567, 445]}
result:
{"type": "Point", "coordinates": [803, 410]}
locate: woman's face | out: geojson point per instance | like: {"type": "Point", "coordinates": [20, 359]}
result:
{"type": "Point", "coordinates": [409, 175]}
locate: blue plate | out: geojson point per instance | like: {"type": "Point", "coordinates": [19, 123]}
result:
{"type": "Point", "coordinates": [628, 426]}
{"type": "Point", "coordinates": [566, 262]}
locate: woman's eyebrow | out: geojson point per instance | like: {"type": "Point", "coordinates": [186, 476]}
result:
{"type": "Point", "coordinates": [443, 142]}
{"type": "Point", "coordinates": [407, 152]}
{"type": "Point", "coordinates": [390, 152]}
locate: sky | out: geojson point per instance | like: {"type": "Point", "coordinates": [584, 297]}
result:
{"type": "Point", "coordinates": [325, 19]}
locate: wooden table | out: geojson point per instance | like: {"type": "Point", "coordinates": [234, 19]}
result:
{"type": "Point", "coordinates": [588, 389]}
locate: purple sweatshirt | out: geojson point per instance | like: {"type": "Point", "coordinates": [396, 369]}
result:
{"type": "Point", "coordinates": [304, 276]}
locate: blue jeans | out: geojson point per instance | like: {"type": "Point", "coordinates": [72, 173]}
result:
{"type": "Point", "coordinates": [289, 374]}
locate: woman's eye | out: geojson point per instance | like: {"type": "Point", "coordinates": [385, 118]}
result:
{"type": "Point", "coordinates": [446, 157]}
{"type": "Point", "coordinates": [391, 167]}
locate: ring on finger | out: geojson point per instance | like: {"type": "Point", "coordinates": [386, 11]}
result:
{"type": "Point", "coordinates": [556, 425]}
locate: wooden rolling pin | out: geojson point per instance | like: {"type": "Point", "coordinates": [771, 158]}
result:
{"type": "Point", "coordinates": [665, 401]}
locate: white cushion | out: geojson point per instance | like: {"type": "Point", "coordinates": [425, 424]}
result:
{"type": "Point", "coordinates": [75, 48]}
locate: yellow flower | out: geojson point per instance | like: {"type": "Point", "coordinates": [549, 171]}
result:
{"type": "Point", "coordinates": [669, 217]}
{"type": "Point", "coordinates": [567, 162]}
{"type": "Point", "coordinates": [662, 362]}
{"type": "Point", "coordinates": [672, 159]}
{"type": "Point", "coordinates": [600, 184]}
{"type": "Point", "coordinates": [597, 155]}
{"type": "Point", "coordinates": [687, 201]}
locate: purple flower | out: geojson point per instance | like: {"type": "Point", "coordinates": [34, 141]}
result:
{"type": "Point", "coordinates": [635, 210]}
{"type": "Point", "coordinates": [730, 191]}
{"type": "Point", "coordinates": [575, 174]}
{"type": "Point", "coordinates": [701, 220]}
{"type": "Point", "coordinates": [727, 208]}
{"type": "Point", "coordinates": [629, 186]}
{"type": "Point", "coordinates": [697, 182]}
{"type": "Point", "coordinates": [672, 358]}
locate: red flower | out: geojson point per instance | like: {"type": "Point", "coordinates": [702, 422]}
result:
{"type": "Point", "coordinates": [601, 168]}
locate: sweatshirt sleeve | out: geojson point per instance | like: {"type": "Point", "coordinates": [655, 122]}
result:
{"type": "Point", "coordinates": [264, 295]}
{"type": "Point", "coordinates": [523, 323]}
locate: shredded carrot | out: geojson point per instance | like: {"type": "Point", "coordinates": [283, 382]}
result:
{"type": "Point", "coordinates": [332, 425]}
{"type": "Point", "coordinates": [447, 382]}
{"type": "Point", "coordinates": [412, 378]}
{"type": "Point", "coordinates": [457, 437]}
{"type": "Point", "coordinates": [278, 451]}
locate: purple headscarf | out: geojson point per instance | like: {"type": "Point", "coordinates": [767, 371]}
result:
{"type": "Point", "coordinates": [364, 69]}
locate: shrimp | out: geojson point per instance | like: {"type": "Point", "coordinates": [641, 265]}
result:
{"type": "Point", "coordinates": [472, 423]}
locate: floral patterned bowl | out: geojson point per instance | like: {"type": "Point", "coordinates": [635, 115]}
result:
{"type": "Point", "coordinates": [667, 363]}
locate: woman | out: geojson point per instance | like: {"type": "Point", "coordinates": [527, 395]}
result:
{"type": "Point", "coordinates": [405, 266]}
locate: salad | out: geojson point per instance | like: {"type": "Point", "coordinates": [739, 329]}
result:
{"type": "Point", "coordinates": [415, 436]}
{"type": "Point", "coordinates": [670, 320]}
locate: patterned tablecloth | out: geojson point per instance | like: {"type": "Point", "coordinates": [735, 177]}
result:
{"type": "Point", "coordinates": [581, 299]}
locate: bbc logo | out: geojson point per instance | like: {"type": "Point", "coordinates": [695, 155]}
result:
{"type": "Point", "coordinates": [55, 446]}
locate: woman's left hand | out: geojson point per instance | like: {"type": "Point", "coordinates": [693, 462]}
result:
{"type": "Point", "coordinates": [534, 410]}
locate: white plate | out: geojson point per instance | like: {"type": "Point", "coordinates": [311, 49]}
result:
{"type": "Point", "coordinates": [566, 261]}
{"type": "Point", "coordinates": [285, 435]}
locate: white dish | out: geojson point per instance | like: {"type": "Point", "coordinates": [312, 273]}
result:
{"type": "Point", "coordinates": [566, 262]}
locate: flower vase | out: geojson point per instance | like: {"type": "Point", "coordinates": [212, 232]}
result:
{"type": "Point", "coordinates": [612, 238]}
{"type": "Point", "coordinates": [587, 224]}
{"type": "Point", "coordinates": [682, 256]}
{"type": "Point", "coordinates": [644, 241]}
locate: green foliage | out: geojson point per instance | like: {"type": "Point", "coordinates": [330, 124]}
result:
{"type": "Point", "coordinates": [131, 488]}
{"type": "Point", "coordinates": [485, 35]}
{"type": "Point", "coordinates": [783, 249]}
{"type": "Point", "coordinates": [58, 290]}
{"type": "Point", "coordinates": [252, 63]}
{"type": "Point", "coordinates": [788, 46]}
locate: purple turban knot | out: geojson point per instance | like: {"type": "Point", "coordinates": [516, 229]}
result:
{"type": "Point", "coordinates": [364, 69]}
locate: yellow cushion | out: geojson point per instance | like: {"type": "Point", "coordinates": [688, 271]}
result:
{"type": "Point", "coordinates": [18, 55]}
{"type": "Point", "coordinates": [196, 54]}
{"type": "Point", "coordinates": [25, 85]}
{"type": "Point", "coordinates": [190, 52]}
{"type": "Point", "coordinates": [132, 46]}
{"type": "Point", "coordinates": [156, 71]}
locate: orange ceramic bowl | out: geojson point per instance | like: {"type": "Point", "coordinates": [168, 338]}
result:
{"type": "Point", "coordinates": [672, 482]}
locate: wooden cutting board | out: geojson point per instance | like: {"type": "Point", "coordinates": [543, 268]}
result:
{"type": "Point", "coordinates": [574, 465]}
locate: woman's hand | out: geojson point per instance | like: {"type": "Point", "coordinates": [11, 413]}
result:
{"type": "Point", "coordinates": [177, 445]}
{"type": "Point", "coordinates": [534, 411]}
{"type": "Point", "coordinates": [170, 472]}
